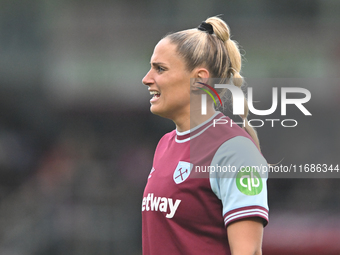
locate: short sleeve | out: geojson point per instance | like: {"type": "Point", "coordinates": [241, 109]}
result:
{"type": "Point", "coordinates": [239, 180]}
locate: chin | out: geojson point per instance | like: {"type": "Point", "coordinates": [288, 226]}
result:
{"type": "Point", "coordinates": [155, 110]}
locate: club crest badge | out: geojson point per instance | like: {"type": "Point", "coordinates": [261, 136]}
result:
{"type": "Point", "coordinates": [182, 171]}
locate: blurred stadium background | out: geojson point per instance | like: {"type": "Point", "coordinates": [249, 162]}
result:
{"type": "Point", "coordinates": [77, 138]}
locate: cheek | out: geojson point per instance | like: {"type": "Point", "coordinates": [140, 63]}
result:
{"type": "Point", "coordinates": [176, 85]}
{"type": "Point", "coordinates": [182, 95]}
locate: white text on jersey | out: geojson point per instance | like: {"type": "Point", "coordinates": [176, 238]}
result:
{"type": "Point", "coordinates": [151, 203]}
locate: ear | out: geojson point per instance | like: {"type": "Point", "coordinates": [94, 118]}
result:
{"type": "Point", "coordinates": [201, 75]}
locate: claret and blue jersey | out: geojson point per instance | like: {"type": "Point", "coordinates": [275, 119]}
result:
{"type": "Point", "coordinates": [186, 206]}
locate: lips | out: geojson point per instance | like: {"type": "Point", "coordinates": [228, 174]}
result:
{"type": "Point", "coordinates": [155, 95]}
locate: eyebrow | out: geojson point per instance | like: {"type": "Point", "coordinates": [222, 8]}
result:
{"type": "Point", "coordinates": [157, 64]}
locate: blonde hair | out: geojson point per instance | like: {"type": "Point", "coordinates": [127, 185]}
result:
{"type": "Point", "coordinates": [216, 52]}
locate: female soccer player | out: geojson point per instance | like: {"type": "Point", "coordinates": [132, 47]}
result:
{"type": "Point", "coordinates": [186, 209]}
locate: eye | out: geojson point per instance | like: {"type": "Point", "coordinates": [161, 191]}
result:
{"type": "Point", "coordinates": [160, 69]}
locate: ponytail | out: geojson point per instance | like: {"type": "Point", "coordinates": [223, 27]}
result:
{"type": "Point", "coordinates": [222, 31]}
{"type": "Point", "coordinates": [210, 46]}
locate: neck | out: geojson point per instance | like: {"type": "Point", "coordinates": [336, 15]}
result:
{"type": "Point", "coordinates": [193, 119]}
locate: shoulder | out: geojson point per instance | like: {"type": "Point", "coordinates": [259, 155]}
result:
{"type": "Point", "coordinates": [220, 128]}
{"type": "Point", "coordinates": [239, 145]}
{"type": "Point", "coordinates": [239, 151]}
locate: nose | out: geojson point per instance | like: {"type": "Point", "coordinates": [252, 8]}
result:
{"type": "Point", "coordinates": [147, 80]}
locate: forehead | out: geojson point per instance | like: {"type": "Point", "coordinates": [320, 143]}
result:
{"type": "Point", "coordinates": [165, 52]}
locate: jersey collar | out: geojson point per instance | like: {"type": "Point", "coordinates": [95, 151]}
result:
{"type": "Point", "coordinates": [182, 137]}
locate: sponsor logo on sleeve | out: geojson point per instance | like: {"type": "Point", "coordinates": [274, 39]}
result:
{"type": "Point", "coordinates": [249, 181]}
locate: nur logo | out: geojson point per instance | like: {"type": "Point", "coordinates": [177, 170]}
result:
{"type": "Point", "coordinates": [238, 99]}
{"type": "Point", "coordinates": [248, 181]}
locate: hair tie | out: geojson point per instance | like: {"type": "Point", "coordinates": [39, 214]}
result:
{"type": "Point", "coordinates": [206, 27]}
